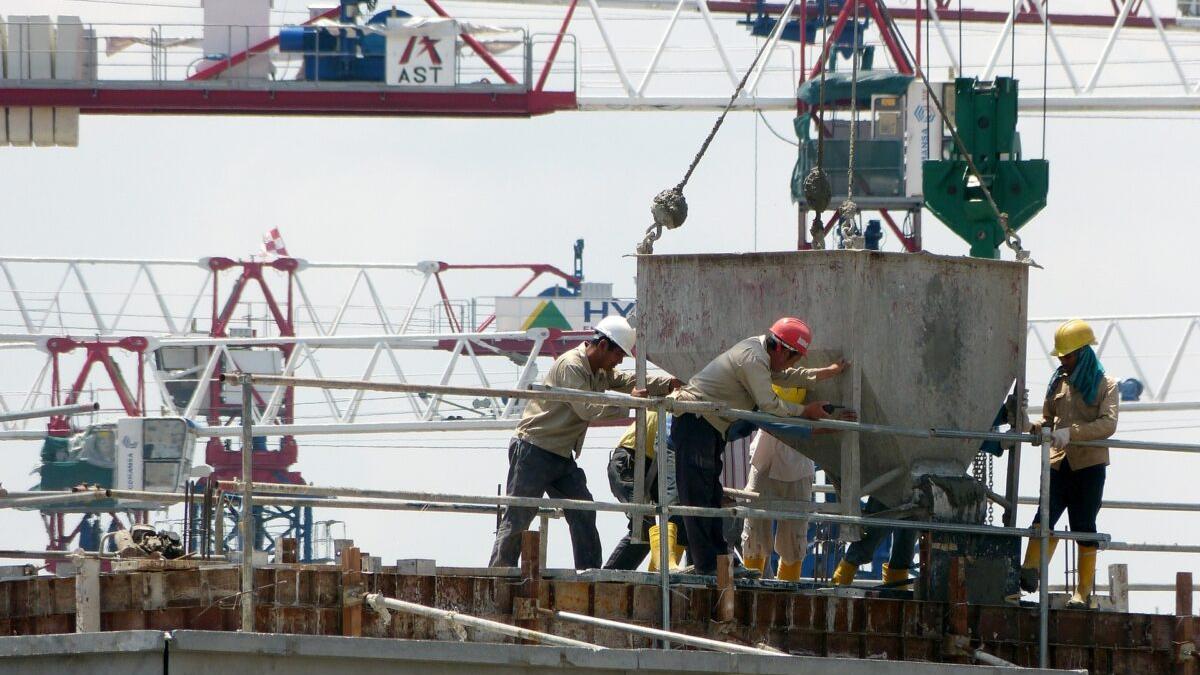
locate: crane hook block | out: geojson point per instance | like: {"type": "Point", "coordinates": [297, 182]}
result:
{"type": "Point", "coordinates": [985, 115]}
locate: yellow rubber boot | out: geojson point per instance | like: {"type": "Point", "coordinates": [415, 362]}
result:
{"type": "Point", "coordinates": [1034, 550]}
{"type": "Point", "coordinates": [1030, 572]}
{"type": "Point", "coordinates": [672, 534]}
{"type": "Point", "coordinates": [789, 571]}
{"type": "Point", "coordinates": [1082, 598]}
{"type": "Point", "coordinates": [677, 551]}
{"type": "Point", "coordinates": [844, 574]}
{"type": "Point", "coordinates": [759, 564]}
{"type": "Point", "coordinates": [891, 576]}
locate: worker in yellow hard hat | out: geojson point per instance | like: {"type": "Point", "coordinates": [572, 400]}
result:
{"type": "Point", "coordinates": [622, 468]}
{"type": "Point", "coordinates": [1081, 405]}
{"type": "Point", "coordinates": [778, 471]}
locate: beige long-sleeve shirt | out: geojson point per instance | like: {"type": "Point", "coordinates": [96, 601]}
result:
{"type": "Point", "coordinates": [1066, 409]}
{"type": "Point", "coordinates": [560, 427]}
{"type": "Point", "coordinates": [742, 378]}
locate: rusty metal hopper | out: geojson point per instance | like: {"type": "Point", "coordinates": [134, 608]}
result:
{"type": "Point", "coordinates": [937, 341]}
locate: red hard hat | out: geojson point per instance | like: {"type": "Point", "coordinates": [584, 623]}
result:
{"type": "Point", "coordinates": [793, 333]}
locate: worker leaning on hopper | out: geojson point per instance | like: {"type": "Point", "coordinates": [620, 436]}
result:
{"type": "Point", "coordinates": [740, 378]}
{"type": "Point", "coordinates": [1081, 405]}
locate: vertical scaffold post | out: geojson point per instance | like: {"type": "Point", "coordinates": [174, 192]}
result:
{"type": "Point", "coordinates": [1043, 560]}
{"type": "Point", "coordinates": [666, 472]}
{"type": "Point", "coordinates": [246, 520]}
{"type": "Point", "coordinates": [639, 461]}
{"type": "Point", "coordinates": [850, 488]}
{"type": "Point", "coordinates": [1012, 477]}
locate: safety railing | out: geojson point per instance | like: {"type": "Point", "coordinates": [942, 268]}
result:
{"type": "Point", "coordinates": [249, 493]}
{"type": "Point", "coordinates": [663, 509]}
{"type": "Point", "coordinates": [215, 56]}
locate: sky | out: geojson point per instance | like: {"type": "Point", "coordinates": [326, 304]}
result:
{"type": "Point", "coordinates": [1112, 240]}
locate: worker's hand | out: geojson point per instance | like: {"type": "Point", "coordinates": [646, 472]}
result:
{"type": "Point", "coordinates": [847, 415]}
{"type": "Point", "coordinates": [816, 410]}
{"type": "Point", "coordinates": [1060, 438]}
{"type": "Point", "coordinates": [640, 393]}
{"type": "Point", "coordinates": [833, 370]}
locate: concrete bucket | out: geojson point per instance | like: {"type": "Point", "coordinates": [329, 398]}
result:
{"type": "Point", "coordinates": [936, 342]}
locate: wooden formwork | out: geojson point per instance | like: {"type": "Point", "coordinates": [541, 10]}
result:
{"type": "Point", "coordinates": [313, 600]}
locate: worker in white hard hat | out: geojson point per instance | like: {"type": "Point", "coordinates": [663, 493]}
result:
{"type": "Point", "coordinates": [542, 453]}
{"type": "Point", "coordinates": [1081, 405]}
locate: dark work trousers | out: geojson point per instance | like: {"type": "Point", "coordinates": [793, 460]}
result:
{"type": "Point", "coordinates": [904, 542]}
{"type": "Point", "coordinates": [534, 472]}
{"type": "Point", "coordinates": [698, 449]}
{"type": "Point", "coordinates": [1077, 492]}
{"type": "Point", "coordinates": [628, 555]}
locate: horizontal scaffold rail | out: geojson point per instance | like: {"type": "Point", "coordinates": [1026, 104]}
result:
{"type": "Point", "coordinates": [644, 509]}
{"type": "Point", "coordinates": [672, 405]}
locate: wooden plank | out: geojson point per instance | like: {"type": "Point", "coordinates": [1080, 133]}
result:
{"type": "Point", "coordinates": [1184, 643]}
{"type": "Point", "coordinates": [725, 606]}
{"type": "Point", "coordinates": [87, 596]}
{"type": "Point", "coordinates": [289, 550]}
{"type": "Point", "coordinates": [525, 600]}
{"type": "Point", "coordinates": [352, 591]}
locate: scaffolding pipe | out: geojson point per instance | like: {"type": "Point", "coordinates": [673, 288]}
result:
{"type": "Point", "coordinates": [60, 410]}
{"type": "Point", "coordinates": [988, 659]}
{"type": "Point", "coordinates": [52, 499]}
{"type": "Point", "coordinates": [246, 512]}
{"type": "Point", "coordinates": [492, 500]}
{"type": "Point", "coordinates": [1134, 505]}
{"type": "Point", "coordinates": [52, 555]}
{"type": "Point", "coordinates": [385, 505]}
{"type": "Point", "coordinates": [649, 509]}
{"type": "Point", "coordinates": [659, 634]}
{"type": "Point", "coordinates": [1147, 587]}
{"type": "Point", "coordinates": [1043, 558]}
{"type": "Point", "coordinates": [333, 428]}
{"type": "Point", "coordinates": [1150, 548]}
{"type": "Point", "coordinates": [380, 603]}
{"type": "Point", "coordinates": [676, 406]}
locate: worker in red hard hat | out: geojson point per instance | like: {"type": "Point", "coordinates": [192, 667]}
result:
{"type": "Point", "coordinates": [740, 378]}
{"type": "Point", "coordinates": [542, 452]}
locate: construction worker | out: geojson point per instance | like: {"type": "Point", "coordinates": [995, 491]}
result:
{"type": "Point", "coordinates": [541, 455]}
{"type": "Point", "coordinates": [778, 471]}
{"type": "Point", "coordinates": [1081, 405]}
{"type": "Point", "coordinates": [621, 468]}
{"type": "Point", "coordinates": [740, 378]}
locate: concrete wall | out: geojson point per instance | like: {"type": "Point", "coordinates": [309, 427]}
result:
{"type": "Point", "coordinates": [135, 652]}
{"type": "Point", "coordinates": [205, 653]}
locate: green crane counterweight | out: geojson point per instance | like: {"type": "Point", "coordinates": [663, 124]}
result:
{"type": "Point", "coordinates": [985, 116]}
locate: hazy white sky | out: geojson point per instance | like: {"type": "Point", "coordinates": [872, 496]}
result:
{"type": "Point", "coordinates": [1113, 240]}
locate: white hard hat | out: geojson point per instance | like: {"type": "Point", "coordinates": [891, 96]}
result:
{"type": "Point", "coordinates": [618, 330]}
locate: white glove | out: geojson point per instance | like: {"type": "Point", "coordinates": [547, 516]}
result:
{"type": "Point", "coordinates": [1059, 438]}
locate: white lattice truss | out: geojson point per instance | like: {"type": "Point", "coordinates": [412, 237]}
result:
{"type": "Point", "coordinates": [1116, 330]}
{"type": "Point", "coordinates": [43, 314]}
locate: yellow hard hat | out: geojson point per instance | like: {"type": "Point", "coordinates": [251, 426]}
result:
{"type": "Point", "coordinates": [790, 394]}
{"type": "Point", "coordinates": [1072, 335]}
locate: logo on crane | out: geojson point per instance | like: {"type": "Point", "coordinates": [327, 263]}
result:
{"type": "Point", "coordinates": [422, 55]}
{"type": "Point", "coordinates": [428, 46]}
